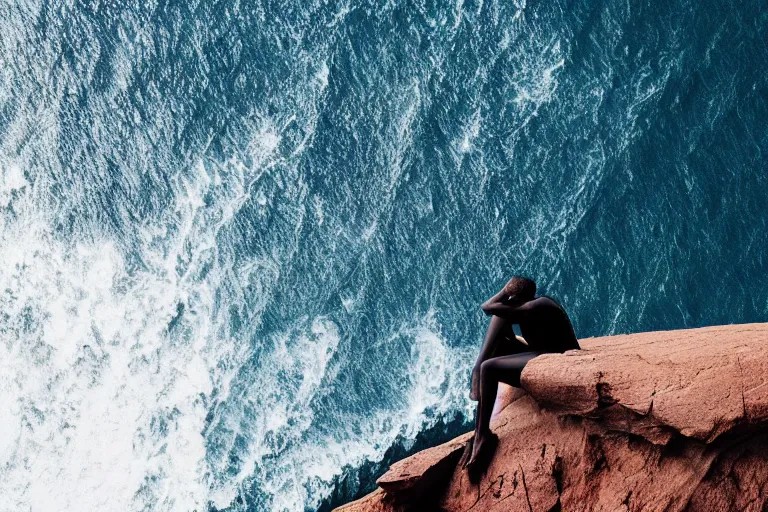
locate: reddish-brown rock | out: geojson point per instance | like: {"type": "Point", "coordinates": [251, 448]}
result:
{"type": "Point", "coordinates": [698, 382]}
{"type": "Point", "coordinates": [670, 420]}
{"type": "Point", "coordinates": [412, 477]}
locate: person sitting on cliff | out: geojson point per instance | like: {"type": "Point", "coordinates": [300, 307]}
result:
{"type": "Point", "coordinates": [545, 327]}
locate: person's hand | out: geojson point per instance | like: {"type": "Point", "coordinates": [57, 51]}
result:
{"type": "Point", "coordinates": [474, 388]}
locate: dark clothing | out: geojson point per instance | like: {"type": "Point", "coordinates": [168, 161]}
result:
{"type": "Point", "coordinates": [506, 369]}
{"type": "Point", "coordinates": [546, 327]}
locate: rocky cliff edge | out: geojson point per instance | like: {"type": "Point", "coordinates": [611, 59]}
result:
{"type": "Point", "coordinates": [667, 420]}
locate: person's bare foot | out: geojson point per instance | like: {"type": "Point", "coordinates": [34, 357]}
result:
{"type": "Point", "coordinates": [482, 441]}
{"type": "Point", "coordinates": [467, 452]}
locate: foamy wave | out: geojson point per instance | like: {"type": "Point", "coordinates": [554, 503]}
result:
{"type": "Point", "coordinates": [109, 382]}
{"type": "Point", "coordinates": [107, 372]}
{"type": "Point", "coordinates": [435, 388]}
{"type": "Point", "coordinates": [104, 409]}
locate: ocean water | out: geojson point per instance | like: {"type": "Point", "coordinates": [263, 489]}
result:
{"type": "Point", "coordinates": [243, 244]}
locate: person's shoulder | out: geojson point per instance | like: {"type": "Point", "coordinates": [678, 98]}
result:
{"type": "Point", "coordinates": [546, 300]}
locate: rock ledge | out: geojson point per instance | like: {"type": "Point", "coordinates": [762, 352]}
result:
{"type": "Point", "coordinates": [667, 420]}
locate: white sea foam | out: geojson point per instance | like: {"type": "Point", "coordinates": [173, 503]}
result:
{"type": "Point", "coordinates": [434, 388]}
{"type": "Point", "coordinates": [126, 388]}
{"type": "Point", "coordinates": [471, 131]}
{"type": "Point", "coordinates": [107, 406]}
{"type": "Point", "coordinates": [88, 374]}
{"type": "Point", "coordinates": [11, 181]}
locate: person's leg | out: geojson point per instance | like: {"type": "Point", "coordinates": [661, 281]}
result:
{"type": "Point", "coordinates": [505, 369]}
{"type": "Point", "coordinates": [499, 344]}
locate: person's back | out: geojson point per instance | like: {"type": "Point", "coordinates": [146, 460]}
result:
{"type": "Point", "coordinates": [547, 328]}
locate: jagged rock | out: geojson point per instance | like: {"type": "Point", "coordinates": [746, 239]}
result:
{"type": "Point", "coordinates": [699, 382]}
{"type": "Point", "coordinates": [667, 420]}
{"type": "Point", "coordinates": [375, 502]}
{"type": "Point", "coordinates": [414, 477]}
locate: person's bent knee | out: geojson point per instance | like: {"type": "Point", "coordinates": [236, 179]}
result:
{"type": "Point", "coordinates": [487, 369]}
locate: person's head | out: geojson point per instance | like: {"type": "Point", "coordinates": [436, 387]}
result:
{"type": "Point", "coordinates": [520, 288]}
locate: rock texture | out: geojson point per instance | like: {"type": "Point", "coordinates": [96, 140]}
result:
{"type": "Point", "coordinates": [670, 420]}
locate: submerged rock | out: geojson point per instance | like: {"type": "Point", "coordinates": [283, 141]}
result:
{"type": "Point", "coordinates": [670, 420]}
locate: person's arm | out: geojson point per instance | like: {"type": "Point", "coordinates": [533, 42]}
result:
{"type": "Point", "coordinates": [494, 300]}
{"type": "Point", "coordinates": [498, 306]}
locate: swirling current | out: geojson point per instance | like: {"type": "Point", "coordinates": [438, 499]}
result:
{"type": "Point", "coordinates": [244, 243]}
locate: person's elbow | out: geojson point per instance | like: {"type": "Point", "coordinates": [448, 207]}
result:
{"type": "Point", "coordinates": [486, 309]}
{"type": "Point", "coordinates": [495, 310]}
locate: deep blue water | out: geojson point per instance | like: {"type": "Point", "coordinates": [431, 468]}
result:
{"type": "Point", "coordinates": [244, 244]}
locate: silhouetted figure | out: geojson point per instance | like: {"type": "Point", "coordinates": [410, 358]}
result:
{"type": "Point", "coordinates": [544, 326]}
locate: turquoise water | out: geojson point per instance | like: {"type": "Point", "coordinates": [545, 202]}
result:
{"type": "Point", "coordinates": [244, 244]}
